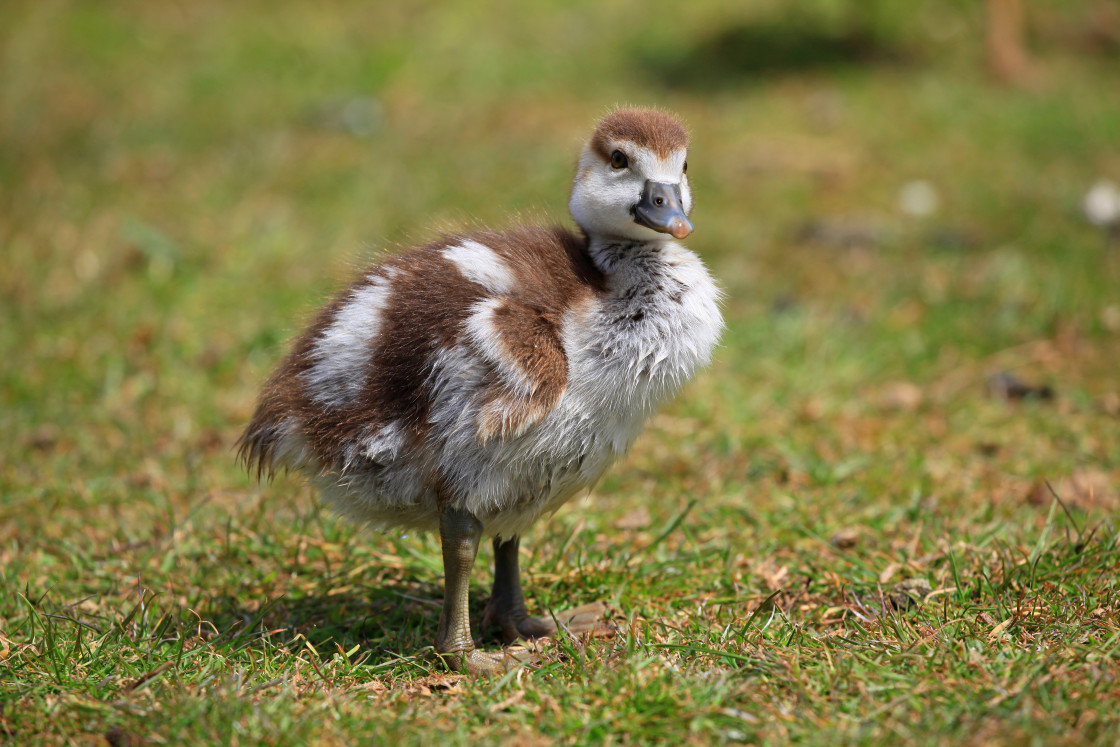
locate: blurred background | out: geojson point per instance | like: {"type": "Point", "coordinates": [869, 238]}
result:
{"type": "Point", "coordinates": [923, 300]}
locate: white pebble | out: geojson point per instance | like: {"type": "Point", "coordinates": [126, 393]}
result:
{"type": "Point", "coordinates": [1101, 204]}
{"type": "Point", "coordinates": [918, 198]}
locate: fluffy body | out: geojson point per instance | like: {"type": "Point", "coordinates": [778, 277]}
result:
{"type": "Point", "coordinates": [498, 373]}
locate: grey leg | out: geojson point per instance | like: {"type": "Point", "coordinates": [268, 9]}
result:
{"type": "Point", "coordinates": [460, 532]}
{"type": "Point", "coordinates": [506, 608]}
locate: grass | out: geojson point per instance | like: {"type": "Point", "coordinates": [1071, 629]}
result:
{"type": "Point", "coordinates": [183, 184]}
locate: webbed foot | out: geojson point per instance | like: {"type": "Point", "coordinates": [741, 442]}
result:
{"type": "Point", "coordinates": [484, 663]}
{"type": "Point", "coordinates": [516, 624]}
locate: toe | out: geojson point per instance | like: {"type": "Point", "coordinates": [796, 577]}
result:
{"type": "Point", "coordinates": [585, 620]}
{"type": "Point", "coordinates": [483, 663]}
{"type": "Point", "coordinates": [532, 628]}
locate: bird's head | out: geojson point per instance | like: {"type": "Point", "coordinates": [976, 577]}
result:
{"type": "Point", "coordinates": [631, 182]}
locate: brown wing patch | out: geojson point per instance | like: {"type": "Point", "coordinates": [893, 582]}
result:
{"type": "Point", "coordinates": [660, 132]}
{"type": "Point", "coordinates": [552, 265]}
{"type": "Point", "coordinates": [530, 346]}
{"type": "Point", "coordinates": [430, 300]}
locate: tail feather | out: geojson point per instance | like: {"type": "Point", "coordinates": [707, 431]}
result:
{"type": "Point", "coordinates": [255, 450]}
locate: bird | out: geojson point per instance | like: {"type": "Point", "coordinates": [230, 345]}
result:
{"type": "Point", "coordinates": [474, 384]}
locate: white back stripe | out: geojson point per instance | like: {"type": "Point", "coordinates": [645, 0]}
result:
{"type": "Point", "coordinates": [481, 264]}
{"type": "Point", "coordinates": [343, 351]}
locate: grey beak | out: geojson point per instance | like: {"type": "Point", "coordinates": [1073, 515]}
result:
{"type": "Point", "coordinates": [661, 209]}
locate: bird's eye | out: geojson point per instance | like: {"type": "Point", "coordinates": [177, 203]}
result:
{"type": "Point", "coordinates": [619, 160]}
{"type": "Point", "coordinates": [684, 170]}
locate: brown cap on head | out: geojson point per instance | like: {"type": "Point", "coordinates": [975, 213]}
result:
{"type": "Point", "coordinates": [660, 132]}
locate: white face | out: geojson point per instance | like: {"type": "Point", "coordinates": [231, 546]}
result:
{"type": "Point", "coordinates": [603, 196]}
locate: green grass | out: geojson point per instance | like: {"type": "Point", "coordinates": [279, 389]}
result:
{"type": "Point", "coordinates": [180, 187]}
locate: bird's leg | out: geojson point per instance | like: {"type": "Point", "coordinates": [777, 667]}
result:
{"type": "Point", "coordinates": [460, 532]}
{"type": "Point", "coordinates": [506, 608]}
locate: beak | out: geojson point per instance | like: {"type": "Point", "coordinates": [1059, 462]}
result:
{"type": "Point", "coordinates": [660, 209]}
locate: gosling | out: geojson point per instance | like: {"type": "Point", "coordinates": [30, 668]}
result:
{"type": "Point", "coordinates": [474, 384]}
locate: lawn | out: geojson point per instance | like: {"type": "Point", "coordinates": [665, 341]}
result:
{"type": "Point", "coordinates": [886, 513]}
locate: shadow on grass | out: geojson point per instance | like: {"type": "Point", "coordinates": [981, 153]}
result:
{"type": "Point", "coordinates": [737, 54]}
{"type": "Point", "coordinates": [390, 622]}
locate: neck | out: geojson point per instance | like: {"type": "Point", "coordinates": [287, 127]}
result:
{"type": "Point", "coordinates": [611, 253]}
